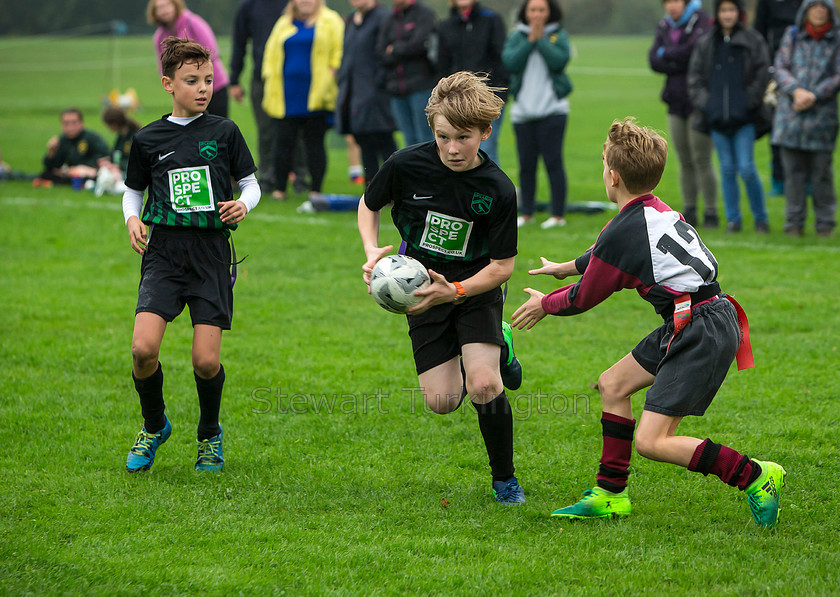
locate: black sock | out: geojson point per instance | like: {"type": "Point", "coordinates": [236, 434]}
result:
{"type": "Point", "coordinates": [150, 390]}
{"type": "Point", "coordinates": [495, 420]}
{"type": "Point", "coordinates": [209, 401]}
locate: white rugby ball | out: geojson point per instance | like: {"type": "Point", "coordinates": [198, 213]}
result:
{"type": "Point", "coordinates": [394, 280]}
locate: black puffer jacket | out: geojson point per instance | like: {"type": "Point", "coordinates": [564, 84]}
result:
{"type": "Point", "coordinates": [672, 60]}
{"type": "Point", "coordinates": [727, 77]}
{"type": "Point", "coordinates": [412, 34]}
{"type": "Point", "coordinates": [474, 44]}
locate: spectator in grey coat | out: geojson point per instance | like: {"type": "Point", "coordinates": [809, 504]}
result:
{"type": "Point", "coordinates": [363, 106]}
{"type": "Point", "coordinates": [807, 69]}
{"type": "Point", "coordinates": [772, 17]}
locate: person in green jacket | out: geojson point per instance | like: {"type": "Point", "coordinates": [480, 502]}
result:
{"type": "Point", "coordinates": [536, 54]}
{"type": "Point", "coordinates": [73, 155]}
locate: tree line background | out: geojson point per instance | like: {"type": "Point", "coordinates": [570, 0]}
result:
{"type": "Point", "coordinates": [97, 17]}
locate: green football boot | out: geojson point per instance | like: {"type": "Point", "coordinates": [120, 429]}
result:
{"type": "Point", "coordinates": [509, 365]}
{"type": "Point", "coordinates": [763, 494]}
{"type": "Point", "coordinates": [598, 503]}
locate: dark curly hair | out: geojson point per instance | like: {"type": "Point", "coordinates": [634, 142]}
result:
{"type": "Point", "coordinates": [555, 12]}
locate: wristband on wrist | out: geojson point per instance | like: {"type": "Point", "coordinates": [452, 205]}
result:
{"type": "Point", "coordinates": [460, 293]}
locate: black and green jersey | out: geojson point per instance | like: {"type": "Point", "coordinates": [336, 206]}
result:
{"type": "Point", "coordinates": [452, 222]}
{"type": "Point", "coordinates": [188, 169]}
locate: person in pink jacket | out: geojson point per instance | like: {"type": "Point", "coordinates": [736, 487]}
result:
{"type": "Point", "coordinates": [173, 18]}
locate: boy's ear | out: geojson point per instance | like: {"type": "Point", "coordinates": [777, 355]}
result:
{"type": "Point", "coordinates": [486, 134]}
{"type": "Point", "coordinates": [615, 177]}
{"type": "Point", "coordinates": [167, 83]}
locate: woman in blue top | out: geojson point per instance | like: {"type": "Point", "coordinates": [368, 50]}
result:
{"type": "Point", "coordinates": [301, 57]}
{"type": "Point", "coordinates": [536, 54]}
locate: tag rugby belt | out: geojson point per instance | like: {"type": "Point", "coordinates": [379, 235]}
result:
{"type": "Point", "coordinates": [683, 305]}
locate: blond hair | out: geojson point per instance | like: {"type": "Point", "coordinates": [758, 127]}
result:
{"type": "Point", "coordinates": [292, 13]}
{"type": "Point", "coordinates": [637, 153]}
{"type": "Point", "coordinates": [465, 100]}
{"type": "Point", "coordinates": [151, 15]}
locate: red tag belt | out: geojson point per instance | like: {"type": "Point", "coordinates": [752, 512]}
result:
{"type": "Point", "coordinates": [682, 315]}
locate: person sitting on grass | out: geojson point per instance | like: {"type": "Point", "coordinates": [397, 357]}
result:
{"type": "Point", "coordinates": [186, 160]}
{"type": "Point", "coordinates": [651, 248]}
{"type": "Point", "coordinates": [112, 168]}
{"type": "Point", "coordinates": [456, 212]}
{"type": "Point", "coordinates": [73, 154]}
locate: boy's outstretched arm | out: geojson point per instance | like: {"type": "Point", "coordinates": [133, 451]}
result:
{"type": "Point", "coordinates": [558, 270]}
{"type": "Point", "coordinates": [369, 231]}
{"type": "Point", "coordinates": [530, 312]}
{"type": "Point", "coordinates": [441, 291]}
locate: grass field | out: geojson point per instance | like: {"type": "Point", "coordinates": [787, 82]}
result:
{"type": "Point", "coordinates": [337, 481]}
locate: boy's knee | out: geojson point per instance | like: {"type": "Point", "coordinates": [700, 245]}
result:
{"type": "Point", "coordinates": [645, 446]}
{"type": "Point", "coordinates": [483, 388]}
{"type": "Point", "coordinates": [608, 386]}
{"type": "Point", "coordinates": [206, 368]}
{"type": "Point", "coordinates": [614, 390]}
{"type": "Point", "coordinates": [442, 404]}
{"type": "Point", "coordinates": [143, 354]}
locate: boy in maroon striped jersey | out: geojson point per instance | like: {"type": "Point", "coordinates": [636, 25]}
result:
{"type": "Point", "coordinates": [650, 247]}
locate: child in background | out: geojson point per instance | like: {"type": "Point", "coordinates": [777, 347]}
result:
{"type": "Point", "coordinates": [111, 173]}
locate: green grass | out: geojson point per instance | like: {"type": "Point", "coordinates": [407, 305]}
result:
{"type": "Point", "coordinates": [337, 480]}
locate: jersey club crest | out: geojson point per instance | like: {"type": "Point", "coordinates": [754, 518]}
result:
{"type": "Point", "coordinates": [481, 204]}
{"type": "Point", "coordinates": [208, 149]}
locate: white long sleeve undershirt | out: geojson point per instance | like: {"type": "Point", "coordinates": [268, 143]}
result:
{"type": "Point", "coordinates": [133, 200]}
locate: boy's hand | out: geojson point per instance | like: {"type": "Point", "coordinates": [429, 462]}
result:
{"type": "Point", "coordinates": [137, 234]}
{"type": "Point", "coordinates": [437, 293]}
{"type": "Point", "coordinates": [530, 312]}
{"type": "Point", "coordinates": [373, 255]}
{"type": "Point", "coordinates": [232, 212]}
{"type": "Point", "coordinates": [558, 270]}
{"type": "Point", "coordinates": [550, 268]}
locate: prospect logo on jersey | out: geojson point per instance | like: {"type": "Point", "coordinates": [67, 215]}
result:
{"type": "Point", "coordinates": [208, 149]}
{"type": "Point", "coordinates": [481, 204]}
{"type": "Point", "coordinates": [190, 189]}
{"type": "Point", "coordinates": [446, 234]}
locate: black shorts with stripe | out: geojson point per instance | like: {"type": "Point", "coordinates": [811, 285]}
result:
{"type": "Point", "coordinates": [187, 266]}
{"type": "Point", "coordinates": [689, 374]}
{"type": "Point", "coordinates": [438, 334]}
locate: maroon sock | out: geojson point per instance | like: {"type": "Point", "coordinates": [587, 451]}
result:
{"type": "Point", "coordinates": [615, 455]}
{"type": "Point", "coordinates": [733, 468]}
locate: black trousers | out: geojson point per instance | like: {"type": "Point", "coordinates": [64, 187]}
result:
{"type": "Point", "coordinates": [376, 148]}
{"type": "Point", "coordinates": [313, 129]}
